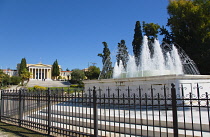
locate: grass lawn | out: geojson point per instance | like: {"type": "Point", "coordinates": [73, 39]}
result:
{"type": "Point", "coordinates": [15, 131]}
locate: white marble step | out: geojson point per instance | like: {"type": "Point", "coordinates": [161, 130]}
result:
{"type": "Point", "coordinates": [144, 121]}
{"type": "Point", "coordinates": [110, 126]}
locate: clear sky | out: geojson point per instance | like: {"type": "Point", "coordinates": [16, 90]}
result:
{"type": "Point", "coordinates": [71, 31]}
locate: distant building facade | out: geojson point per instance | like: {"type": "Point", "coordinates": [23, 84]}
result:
{"type": "Point", "coordinates": [40, 71]}
{"type": "Point", "coordinates": [65, 75]}
{"type": "Point", "coordinates": [10, 72]}
{"type": "Point", "coordinates": [44, 72]}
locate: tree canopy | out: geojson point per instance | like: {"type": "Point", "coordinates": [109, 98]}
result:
{"type": "Point", "coordinates": [137, 42]}
{"type": "Point", "coordinates": [25, 75]}
{"type": "Point", "coordinates": [106, 60]}
{"type": "Point", "coordinates": [151, 30]}
{"type": "Point", "coordinates": [190, 25]}
{"type": "Point", "coordinates": [122, 54]}
{"type": "Point", "coordinates": [77, 76]}
{"type": "Point", "coordinates": [23, 65]}
{"type": "Point", "coordinates": [93, 72]}
{"type": "Point", "coordinates": [55, 69]}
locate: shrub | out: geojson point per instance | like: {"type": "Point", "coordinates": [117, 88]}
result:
{"type": "Point", "coordinates": [36, 87]}
{"type": "Point", "coordinates": [15, 80]}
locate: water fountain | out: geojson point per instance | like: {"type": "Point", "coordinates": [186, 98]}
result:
{"type": "Point", "coordinates": [166, 64]}
{"type": "Point", "coordinates": [158, 63]}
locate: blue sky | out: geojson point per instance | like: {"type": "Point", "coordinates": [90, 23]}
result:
{"type": "Point", "coordinates": [71, 31]}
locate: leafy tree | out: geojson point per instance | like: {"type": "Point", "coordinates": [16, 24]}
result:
{"type": "Point", "coordinates": [151, 30]}
{"type": "Point", "coordinates": [55, 69]}
{"type": "Point", "coordinates": [93, 72]}
{"type": "Point", "coordinates": [77, 76]}
{"type": "Point", "coordinates": [137, 42]}
{"type": "Point", "coordinates": [122, 54]}
{"type": "Point", "coordinates": [15, 80]}
{"type": "Point", "coordinates": [106, 60]}
{"type": "Point", "coordinates": [189, 21]}
{"type": "Point", "coordinates": [2, 75]}
{"type": "Point", "coordinates": [168, 36]}
{"type": "Point", "coordinates": [25, 75]}
{"type": "Point", "coordinates": [22, 66]}
{"type": "Point", "coordinates": [6, 80]}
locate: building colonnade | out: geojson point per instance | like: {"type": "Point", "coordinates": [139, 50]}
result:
{"type": "Point", "coordinates": [40, 73]}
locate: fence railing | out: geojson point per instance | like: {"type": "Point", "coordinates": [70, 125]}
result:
{"type": "Point", "coordinates": [96, 114]}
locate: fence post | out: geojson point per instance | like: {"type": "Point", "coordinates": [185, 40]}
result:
{"type": "Point", "coordinates": [49, 110]}
{"type": "Point", "coordinates": [20, 108]}
{"type": "Point", "coordinates": [95, 112]}
{"type": "Point", "coordinates": [174, 110]}
{"type": "Point", "coordinates": [2, 106]}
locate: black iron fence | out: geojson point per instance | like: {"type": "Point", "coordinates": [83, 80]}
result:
{"type": "Point", "coordinates": [112, 115]}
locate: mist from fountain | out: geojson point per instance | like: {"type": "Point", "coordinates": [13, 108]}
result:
{"type": "Point", "coordinates": [158, 63]}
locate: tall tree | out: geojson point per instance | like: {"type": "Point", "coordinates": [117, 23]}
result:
{"type": "Point", "coordinates": [122, 54]}
{"type": "Point", "coordinates": [137, 42]}
{"type": "Point", "coordinates": [25, 75]}
{"type": "Point", "coordinates": [22, 66]}
{"type": "Point", "coordinates": [151, 30]}
{"type": "Point", "coordinates": [2, 75]}
{"type": "Point", "coordinates": [55, 69]}
{"type": "Point", "coordinates": [106, 60]}
{"type": "Point", "coordinates": [168, 36]}
{"type": "Point", "coordinates": [189, 21]}
{"type": "Point", "coordinates": [93, 72]}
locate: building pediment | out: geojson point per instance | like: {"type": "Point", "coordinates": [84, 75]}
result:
{"type": "Point", "coordinates": [39, 65]}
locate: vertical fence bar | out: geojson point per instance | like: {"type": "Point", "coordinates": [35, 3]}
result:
{"type": "Point", "coordinates": [174, 110]}
{"type": "Point", "coordinates": [49, 110]}
{"type": "Point", "coordinates": [2, 106]}
{"type": "Point", "coordinates": [199, 108]}
{"type": "Point", "coordinates": [20, 109]}
{"type": "Point", "coordinates": [95, 112]}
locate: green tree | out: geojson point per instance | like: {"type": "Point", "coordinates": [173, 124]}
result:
{"type": "Point", "coordinates": [2, 75]}
{"type": "Point", "coordinates": [151, 30]}
{"type": "Point", "coordinates": [6, 80]}
{"type": "Point", "coordinates": [22, 66]}
{"type": "Point", "coordinates": [168, 36]}
{"type": "Point", "coordinates": [25, 75]}
{"type": "Point", "coordinates": [122, 54]}
{"type": "Point", "coordinates": [77, 76]}
{"type": "Point", "coordinates": [189, 21]}
{"type": "Point", "coordinates": [137, 42]}
{"type": "Point", "coordinates": [15, 80]}
{"type": "Point", "coordinates": [106, 60]}
{"type": "Point", "coordinates": [55, 69]}
{"type": "Point", "coordinates": [93, 72]}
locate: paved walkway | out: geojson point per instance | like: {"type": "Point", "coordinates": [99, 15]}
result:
{"type": "Point", "coordinates": [48, 83]}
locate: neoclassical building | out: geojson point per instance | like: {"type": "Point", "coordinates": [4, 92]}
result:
{"type": "Point", "coordinates": [40, 71]}
{"type": "Point", "coordinates": [44, 72]}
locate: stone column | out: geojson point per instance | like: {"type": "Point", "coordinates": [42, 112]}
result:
{"type": "Point", "coordinates": [44, 73]}
{"type": "Point", "coordinates": [35, 73]}
{"type": "Point", "coordinates": [38, 73]}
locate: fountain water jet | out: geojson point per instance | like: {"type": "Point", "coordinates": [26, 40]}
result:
{"type": "Point", "coordinates": [160, 65]}
{"type": "Point", "coordinates": [151, 64]}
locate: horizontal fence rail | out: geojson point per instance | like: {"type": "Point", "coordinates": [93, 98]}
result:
{"type": "Point", "coordinates": [93, 113]}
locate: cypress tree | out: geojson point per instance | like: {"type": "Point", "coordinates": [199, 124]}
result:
{"type": "Point", "coordinates": [55, 69]}
{"type": "Point", "coordinates": [122, 54]}
{"type": "Point", "coordinates": [22, 66]}
{"type": "Point", "coordinates": [137, 41]}
{"type": "Point", "coordinates": [106, 60]}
